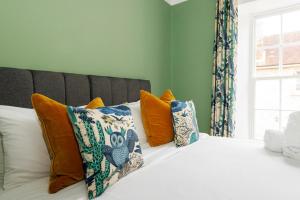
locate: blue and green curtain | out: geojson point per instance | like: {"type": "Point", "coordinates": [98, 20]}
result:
{"type": "Point", "coordinates": [224, 69]}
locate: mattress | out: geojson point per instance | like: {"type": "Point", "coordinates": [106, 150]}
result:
{"type": "Point", "coordinates": [211, 169]}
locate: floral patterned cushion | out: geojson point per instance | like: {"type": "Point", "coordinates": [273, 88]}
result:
{"type": "Point", "coordinates": [184, 123]}
{"type": "Point", "coordinates": [108, 143]}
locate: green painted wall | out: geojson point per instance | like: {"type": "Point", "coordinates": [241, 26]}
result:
{"type": "Point", "coordinates": [192, 54]}
{"type": "Point", "coordinates": [106, 37]}
{"type": "Point", "coordinates": [171, 46]}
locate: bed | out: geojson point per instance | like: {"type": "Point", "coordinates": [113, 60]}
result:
{"type": "Point", "coordinates": [211, 169]}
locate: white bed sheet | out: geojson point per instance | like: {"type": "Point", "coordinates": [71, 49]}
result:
{"type": "Point", "coordinates": [211, 169]}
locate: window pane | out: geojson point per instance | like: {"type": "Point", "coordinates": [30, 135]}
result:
{"type": "Point", "coordinates": [267, 61]}
{"type": "Point", "coordinates": [267, 94]}
{"type": "Point", "coordinates": [291, 55]}
{"type": "Point", "coordinates": [268, 31]}
{"type": "Point", "coordinates": [291, 27]}
{"type": "Point", "coordinates": [265, 120]}
{"type": "Point", "coordinates": [291, 60]}
{"type": "Point", "coordinates": [291, 94]}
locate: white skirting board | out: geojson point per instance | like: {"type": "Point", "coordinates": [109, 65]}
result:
{"type": "Point", "coordinates": [174, 2]}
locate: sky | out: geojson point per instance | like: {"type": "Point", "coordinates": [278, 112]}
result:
{"type": "Point", "coordinates": [271, 25]}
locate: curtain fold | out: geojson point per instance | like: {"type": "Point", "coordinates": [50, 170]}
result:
{"type": "Point", "coordinates": [224, 69]}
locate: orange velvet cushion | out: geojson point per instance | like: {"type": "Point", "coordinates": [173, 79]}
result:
{"type": "Point", "coordinates": [66, 163]}
{"type": "Point", "coordinates": [167, 96]}
{"type": "Point", "coordinates": [157, 118]}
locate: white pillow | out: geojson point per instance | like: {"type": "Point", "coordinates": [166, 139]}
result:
{"type": "Point", "coordinates": [2, 154]}
{"type": "Point", "coordinates": [25, 152]}
{"type": "Point", "coordinates": [137, 119]}
{"type": "Point", "coordinates": [1, 163]}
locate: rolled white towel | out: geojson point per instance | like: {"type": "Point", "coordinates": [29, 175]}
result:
{"type": "Point", "coordinates": [292, 130]}
{"type": "Point", "coordinates": [291, 152]}
{"type": "Point", "coordinates": [291, 146]}
{"type": "Point", "coordinates": [274, 140]}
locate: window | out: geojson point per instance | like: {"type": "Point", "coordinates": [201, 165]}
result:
{"type": "Point", "coordinates": [277, 70]}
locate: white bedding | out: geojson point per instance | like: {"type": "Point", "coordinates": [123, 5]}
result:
{"type": "Point", "coordinates": [211, 169]}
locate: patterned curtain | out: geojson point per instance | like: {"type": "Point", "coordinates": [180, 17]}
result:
{"type": "Point", "coordinates": [224, 69]}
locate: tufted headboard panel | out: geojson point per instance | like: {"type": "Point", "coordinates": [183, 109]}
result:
{"type": "Point", "coordinates": [17, 86]}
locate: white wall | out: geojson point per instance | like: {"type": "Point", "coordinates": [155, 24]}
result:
{"type": "Point", "coordinates": [247, 10]}
{"type": "Point", "coordinates": [245, 1]}
{"type": "Point", "coordinates": [243, 70]}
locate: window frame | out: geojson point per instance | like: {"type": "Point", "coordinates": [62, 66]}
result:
{"type": "Point", "coordinates": [252, 71]}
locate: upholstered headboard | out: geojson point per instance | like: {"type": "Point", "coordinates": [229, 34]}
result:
{"type": "Point", "coordinates": [17, 85]}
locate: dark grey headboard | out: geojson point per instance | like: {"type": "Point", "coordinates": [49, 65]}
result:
{"type": "Point", "coordinates": [17, 85]}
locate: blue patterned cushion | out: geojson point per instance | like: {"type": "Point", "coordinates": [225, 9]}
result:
{"type": "Point", "coordinates": [184, 123]}
{"type": "Point", "coordinates": [108, 143]}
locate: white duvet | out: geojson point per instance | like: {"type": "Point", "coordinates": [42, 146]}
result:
{"type": "Point", "coordinates": [211, 169]}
